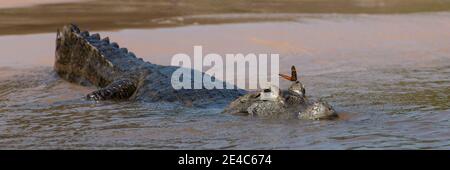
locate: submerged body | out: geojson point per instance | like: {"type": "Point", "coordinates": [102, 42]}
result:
{"type": "Point", "coordinates": [89, 60]}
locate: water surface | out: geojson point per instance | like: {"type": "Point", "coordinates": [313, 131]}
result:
{"type": "Point", "coordinates": [387, 75]}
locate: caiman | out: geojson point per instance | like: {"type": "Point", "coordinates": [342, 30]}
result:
{"type": "Point", "coordinates": [87, 59]}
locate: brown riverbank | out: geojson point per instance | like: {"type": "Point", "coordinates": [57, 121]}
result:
{"type": "Point", "coordinates": [119, 14]}
{"type": "Point", "coordinates": [29, 3]}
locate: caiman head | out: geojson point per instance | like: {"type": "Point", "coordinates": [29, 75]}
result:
{"type": "Point", "coordinates": [271, 93]}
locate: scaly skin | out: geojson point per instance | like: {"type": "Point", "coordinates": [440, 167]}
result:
{"type": "Point", "coordinates": [291, 103]}
{"type": "Point", "coordinates": [257, 104]}
{"type": "Point", "coordinates": [287, 105]}
{"type": "Point", "coordinates": [88, 60]}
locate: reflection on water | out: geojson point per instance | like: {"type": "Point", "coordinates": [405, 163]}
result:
{"type": "Point", "coordinates": [387, 75]}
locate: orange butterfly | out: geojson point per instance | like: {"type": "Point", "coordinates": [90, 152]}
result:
{"type": "Point", "coordinates": [293, 76]}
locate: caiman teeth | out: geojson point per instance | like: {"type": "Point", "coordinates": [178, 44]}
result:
{"type": "Point", "coordinates": [96, 36]}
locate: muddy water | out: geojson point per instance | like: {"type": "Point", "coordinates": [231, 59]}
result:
{"type": "Point", "coordinates": [387, 75]}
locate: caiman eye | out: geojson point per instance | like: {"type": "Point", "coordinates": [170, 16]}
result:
{"type": "Point", "coordinates": [267, 90]}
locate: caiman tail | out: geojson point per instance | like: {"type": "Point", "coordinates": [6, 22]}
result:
{"type": "Point", "coordinates": [89, 60]}
{"type": "Point", "coordinates": [86, 59]}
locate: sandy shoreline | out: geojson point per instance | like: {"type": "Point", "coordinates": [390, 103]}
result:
{"type": "Point", "coordinates": [27, 3]}
{"type": "Point", "coordinates": [119, 14]}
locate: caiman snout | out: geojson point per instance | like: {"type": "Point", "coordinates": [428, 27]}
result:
{"type": "Point", "coordinates": [270, 94]}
